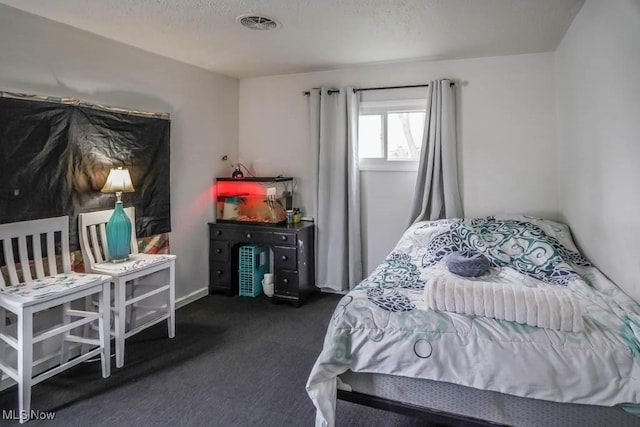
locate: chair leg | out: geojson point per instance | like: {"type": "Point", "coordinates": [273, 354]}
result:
{"type": "Point", "coordinates": [64, 351]}
{"type": "Point", "coordinates": [104, 306]}
{"type": "Point", "coordinates": [131, 309]}
{"type": "Point", "coordinates": [25, 362]}
{"type": "Point", "coordinates": [171, 306]}
{"type": "Point", "coordinates": [3, 329]}
{"type": "Point", "coordinates": [120, 320]}
{"type": "Point", "coordinates": [86, 329]}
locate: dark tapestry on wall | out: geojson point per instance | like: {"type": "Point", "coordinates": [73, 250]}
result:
{"type": "Point", "coordinates": [55, 158]}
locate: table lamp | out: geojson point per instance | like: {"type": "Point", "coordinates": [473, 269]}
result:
{"type": "Point", "coordinates": [119, 226]}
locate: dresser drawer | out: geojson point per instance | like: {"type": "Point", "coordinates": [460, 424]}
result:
{"type": "Point", "coordinates": [219, 233]}
{"type": "Point", "coordinates": [283, 239]}
{"type": "Point", "coordinates": [251, 236]}
{"type": "Point", "coordinates": [286, 282]}
{"type": "Point", "coordinates": [220, 272]}
{"type": "Point", "coordinates": [219, 250]}
{"type": "Point", "coordinates": [285, 258]}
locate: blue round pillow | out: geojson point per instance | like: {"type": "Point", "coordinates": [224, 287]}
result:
{"type": "Point", "coordinates": [467, 263]}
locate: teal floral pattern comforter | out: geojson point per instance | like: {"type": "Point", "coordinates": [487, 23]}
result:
{"type": "Point", "coordinates": [383, 326]}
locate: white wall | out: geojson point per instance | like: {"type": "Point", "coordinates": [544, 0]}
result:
{"type": "Point", "coordinates": [39, 56]}
{"type": "Point", "coordinates": [507, 137]}
{"type": "Point", "coordinates": [386, 197]}
{"type": "Point", "coordinates": [598, 86]}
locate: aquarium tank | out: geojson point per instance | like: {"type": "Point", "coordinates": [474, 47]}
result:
{"type": "Point", "coordinates": [260, 200]}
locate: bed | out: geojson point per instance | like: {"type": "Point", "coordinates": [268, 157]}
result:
{"type": "Point", "coordinates": [390, 344]}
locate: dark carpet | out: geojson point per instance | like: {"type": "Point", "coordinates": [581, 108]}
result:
{"type": "Point", "coordinates": [234, 362]}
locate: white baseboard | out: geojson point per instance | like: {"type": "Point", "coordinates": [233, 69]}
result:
{"type": "Point", "coordinates": [193, 296]}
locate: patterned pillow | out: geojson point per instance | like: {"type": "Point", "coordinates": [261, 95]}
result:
{"type": "Point", "coordinates": [520, 245]}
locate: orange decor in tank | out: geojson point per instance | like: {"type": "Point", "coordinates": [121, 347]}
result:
{"type": "Point", "coordinates": [253, 199]}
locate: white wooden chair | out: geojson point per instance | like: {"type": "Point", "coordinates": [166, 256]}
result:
{"type": "Point", "coordinates": [25, 295]}
{"type": "Point", "coordinates": [146, 276]}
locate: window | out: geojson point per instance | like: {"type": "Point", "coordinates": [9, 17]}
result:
{"type": "Point", "coordinates": [390, 134]}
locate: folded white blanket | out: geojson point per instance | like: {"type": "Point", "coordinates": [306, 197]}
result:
{"type": "Point", "coordinates": [541, 307]}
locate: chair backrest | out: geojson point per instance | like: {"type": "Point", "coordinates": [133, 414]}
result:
{"type": "Point", "coordinates": [40, 236]}
{"type": "Point", "coordinates": [92, 229]}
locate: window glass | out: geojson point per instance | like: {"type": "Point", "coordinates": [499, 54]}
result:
{"type": "Point", "coordinates": [404, 135]}
{"type": "Point", "coordinates": [390, 134]}
{"type": "Point", "coordinates": [370, 136]}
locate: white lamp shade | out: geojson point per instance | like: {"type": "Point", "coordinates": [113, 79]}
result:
{"type": "Point", "coordinates": [118, 180]}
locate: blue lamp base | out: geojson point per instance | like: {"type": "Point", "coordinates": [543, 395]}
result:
{"type": "Point", "coordinates": [119, 235]}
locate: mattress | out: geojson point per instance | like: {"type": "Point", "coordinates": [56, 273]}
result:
{"type": "Point", "coordinates": [383, 325]}
{"type": "Point", "coordinates": [490, 406]}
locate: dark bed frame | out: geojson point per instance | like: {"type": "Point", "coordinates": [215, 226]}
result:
{"type": "Point", "coordinates": [431, 416]}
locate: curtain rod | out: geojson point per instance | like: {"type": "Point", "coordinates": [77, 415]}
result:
{"type": "Point", "coordinates": [331, 91]}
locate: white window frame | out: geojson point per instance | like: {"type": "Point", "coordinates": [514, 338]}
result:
{"type": "Point", "coordinates": [385, 107]}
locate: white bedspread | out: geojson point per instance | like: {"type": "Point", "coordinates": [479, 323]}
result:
{"type": "Point", "coordinates": [384, 326]}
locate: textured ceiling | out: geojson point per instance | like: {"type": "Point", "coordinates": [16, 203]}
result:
{"type": "Point", "coordinates": [317, 34]}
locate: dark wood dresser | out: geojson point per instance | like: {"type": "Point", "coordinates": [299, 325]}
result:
{"type": "Point", "coordinates": [292, 255]}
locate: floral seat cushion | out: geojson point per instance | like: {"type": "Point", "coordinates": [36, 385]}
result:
{"type": "Point", "coordinates": [52, 285]}
{"type": "Point", "coordinates": [135, 262]}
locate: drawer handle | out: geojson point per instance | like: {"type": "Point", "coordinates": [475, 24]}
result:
{"type": "Point", "coordinates": [218, 251]}
{"type": "Point", "coordinates": [284, 238]}
{"type": "Point", "coordinates": [248, 235]}
{"type": "Point", "coordinates": [219, 272]}
{"type": "Point", "coordinates": [285, 280]}
{"type": "Point", "coordinates": [284, 257]}
{"type": "Point", "coordinates": [218, 232]}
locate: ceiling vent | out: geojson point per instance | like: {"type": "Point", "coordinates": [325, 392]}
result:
{"type": "Point", "coordinates": [257, 22]}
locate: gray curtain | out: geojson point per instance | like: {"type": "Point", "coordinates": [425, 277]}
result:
{"type": "Point", "coordinates": [336, 183]}
{"type": "Point", "coordinates": [437, 194]}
